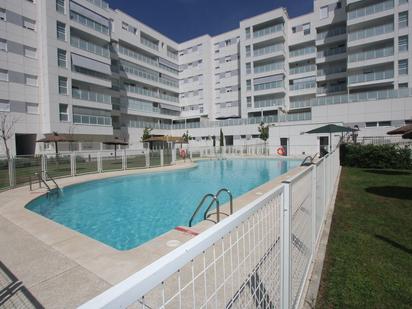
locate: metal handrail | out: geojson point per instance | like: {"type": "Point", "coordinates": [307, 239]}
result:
{"type": "Point", "coordinates": [304, 163]}
{"type": "Point", "coordinates": [217, 197]}
{"type": "Point", "coordinates": [200, 206]}
{"type": "Point", "coordinates": [214, 200]}
{"type": "Point", "coordinates": [51, 178]}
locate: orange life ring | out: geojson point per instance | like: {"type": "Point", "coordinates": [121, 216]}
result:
{"type": "Point", "coordinates": [182, 153]}
{"type": "Point", "coordinates": [280, 151]}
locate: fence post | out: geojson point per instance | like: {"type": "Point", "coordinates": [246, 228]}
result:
{"type": "Point", "coordinates": [73, 164]}
{"type": "Point", "coordinates": [285, 247]}
{"type": "Point", "coordinates": [99, 162]}
{"type": "Point", "coordinates": [124, 160]}
{"type": "Point", "coordinates": [314, 214]}
{"type": "Point", "coordinates": [12, 172]}
{"type": "Point", "coordinates": [44, 165]}
{"type": "Point", "coordinates": [174, 154]}
{"type": "Point", "coordinates": [147, 156]}
{"type": "Point", "coordinates": [162, 157]}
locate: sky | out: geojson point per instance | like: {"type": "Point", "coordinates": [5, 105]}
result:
{"type": "Point", "coordinates": [182, 20]}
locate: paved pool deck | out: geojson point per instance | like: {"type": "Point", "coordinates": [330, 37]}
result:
{"type": "Point", "coordinates": [63, 268]}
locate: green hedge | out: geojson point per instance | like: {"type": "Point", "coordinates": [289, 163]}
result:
{"type": "Point", "coordinates": [376, 156]}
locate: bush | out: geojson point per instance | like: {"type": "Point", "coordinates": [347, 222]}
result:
{"type": "Point", "coordinates": [376, 156]}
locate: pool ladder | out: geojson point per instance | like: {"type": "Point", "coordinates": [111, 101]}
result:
{"type": "Point", "coordinates": [44, 181]}
{"type": "Point", "coordinates": [214, 200]}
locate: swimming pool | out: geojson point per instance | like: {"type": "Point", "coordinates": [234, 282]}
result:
{"type": "Point", "coordinates": [127, 211]}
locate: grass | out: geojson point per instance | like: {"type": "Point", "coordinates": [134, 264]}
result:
{"type": "Point", "coordinates": [368, 261]}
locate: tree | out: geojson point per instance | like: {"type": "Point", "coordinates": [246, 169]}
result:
{"type": "Point", "coordinates": [263, 132]}
{"type": "Point", "coordinates": [146, 134]}
{"type": "Point", "coordinates": [222, 139]}
{"type": "Point", "coordinates": [186, 137]}
{"type": "Point", "coordinates": [7, 126]}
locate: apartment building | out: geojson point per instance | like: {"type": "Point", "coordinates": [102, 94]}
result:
{"type": "Point", "coordinates": [78, 67]}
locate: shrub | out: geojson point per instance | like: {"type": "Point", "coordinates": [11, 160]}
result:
{"type": "Point", "coordinates": [376, 156]}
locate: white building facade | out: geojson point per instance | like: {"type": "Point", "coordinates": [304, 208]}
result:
{"type": "Point", "coordinates": [78, 67]}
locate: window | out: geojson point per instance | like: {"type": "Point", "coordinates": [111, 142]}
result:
{"type": "Point", "coordinates": [306, 29]}
{"type": "Point", "coordinates": [63, 112]}
{"type": "Point", "coordinates": [403, 67]}
{"type": "Point", "coordinates": [30, 52]}
{"type": "Point", "coordinates": [32, 108]}
{"type": "Point", "coordinates": [3, 45]}
{"type": "Point", "coordinates": [403, 43]}
{"type": "Point", "coordinates": [384, 123]}
{"type": "Point", "coordinates": [4, 75]}
{"type": "Point", "coordinates": [248, 33]}
{"type": "Point", "coordinates": [249, 101]}
{"type": "Point", "coordinates": [403, 85]}
{"type": "Point", "coordinates": [61, 31]}
{"type": "Point", "coordinates": [403, 19]}
{"type": "Point", "coordinates": [294, 29]}
{"type": "Point", "coordinates": [62, 85]}
{"type": "Point", "coordinates": [30, 80]}
{"type": "Point", "coordinates": [338, 5]}
{"type": "Point", "coordinates": [60, 6]}
{"type": "Point", "coordinates": [61, 58]}
{"type": "Point", "coordinates": [248, 51]}
{"type": "Point", "coordinates": [248, 84]}
{"type": "Point", "coordinates": [248, 68]}
{"type": "Point", "coordinates": [3, 14]}
{"type": "Point", "coordinates": [371, 124]}
{"type": "Point", "coordinates": [4, 106]}
{"type": "Point", "coordinates": [324, 12]}
{"type": "Point", "coordinates": [29, 24]}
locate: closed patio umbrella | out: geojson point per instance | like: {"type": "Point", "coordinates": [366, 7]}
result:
{"type": "Point", "coordinates": [330, 128]}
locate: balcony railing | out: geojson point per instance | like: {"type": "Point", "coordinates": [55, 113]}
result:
{"type": "Point", "coordinates": [331, 33]}
{"type": "Point", "coordinates": [370, 32]}
{"type": "Point", "coordinates": [92, 120]}
{"type": "Point", "coordinates": [371, 9]}
{"type": "Point", "coordinates": [271, 85]}
{"type": "Point", "coordinates": [90, 47]}
{"type": "Point", "coordinates": [302, 51]}
{"type": "Point", "coordinates": [368, 77]}
{"type": "Point", "coordinates": [91, 96]}
{"type": "Point", "coordinates": [267, 50]}
{"type": "Point", "coordinates": [269, 103]}
{"type": "Point", "coordinates": [149, 43]}
{"type": "Point", "coordinates": [268, 67]}
{"type": "Point", "coordinates": [331, 52]}
{"type": "Point", "coordinates": [100, 3]}
{"type": "Point", "coordinates": [303, 85]}
{"type": "Point", "coordinates": [128, 52]}
{"type": "Point", "coordinates": [268, 30]}
{"type": "Point", "coordinates": [371, 54]}
{"type": "Point", "coordinates": [303, 69]}
{"type": "Point", "coordinates": [332, 89]}
{"type": "Point", "coordinates": [172, 55]}
{"type": "Point", "coordinates": [89, 23]}
{"type": "Point", "coordinates": [332, 70]}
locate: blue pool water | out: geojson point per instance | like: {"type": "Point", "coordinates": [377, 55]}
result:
{"type": "Point", "coordinates": [125, 212]}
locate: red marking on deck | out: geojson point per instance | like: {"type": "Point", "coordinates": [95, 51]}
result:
{"type": "Point", "coordinates": [187, 230]}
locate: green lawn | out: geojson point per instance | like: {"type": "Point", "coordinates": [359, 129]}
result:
{"type": "Point", "coordinates": [368, 261]}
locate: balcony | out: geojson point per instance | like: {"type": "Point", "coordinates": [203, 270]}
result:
{"type": "Point", "coordinates": [270, 85]}
{"type": "Point", "coordinates": [303, 85]}
{"type": "Point", "coordinates": [89, 47]}
{"type": "Point", "coordinates": [89, 23]}
{"type": "Point", "coordinates": [91, 96]}
{"type": "Point", "coordinates": [302, 69]}
{"type": "Point", "coordinates": [268, 50]}
{"type": "Point", "coordinates": [371, 9]}
{"type": "Point", "coordinates": [262, 103]}
{"type": "Point", "coordinates": [149, 43]}
{"type": "Point", "coordinates": [302, 51]}
{"type": "Point", "coordinates": [100, 3]}
{"type": "Point", "coordinates": [331, 33]}
{"type": "Point", "coordinates": [332, 89]}
{"type": "Point", "coordinates": [331, 52]}
{"type": "Point", "coordinates": [268, 30]}
{"type": "Point", "coordinates": [370, 32]}
{"type": "Point", "coordinates": [370, 77]}
{"type": "Point", "coordinates": [273, 66]}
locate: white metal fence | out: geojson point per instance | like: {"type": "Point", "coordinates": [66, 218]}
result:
{"type": "Point", "coordinates": [259, 257]}
{"type": "Point", "coordinates": [18, 170]}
